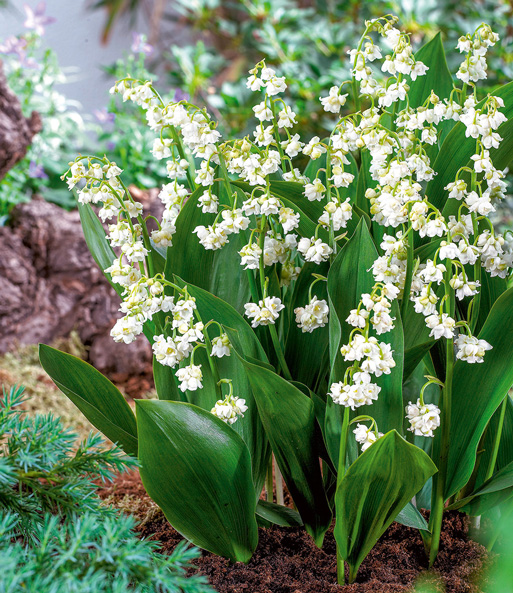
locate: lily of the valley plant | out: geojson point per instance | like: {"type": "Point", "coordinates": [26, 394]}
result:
{"type": "Point", "coordinates": [349, 319]}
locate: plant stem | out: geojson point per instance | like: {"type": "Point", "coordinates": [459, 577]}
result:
{"type": "Point", "coordinates": [279, 352]}
{"type": "Point", "coordinates": [409, 276]}
{"type": "Point", "coordinates": [438, 500]}
{"type": "Point", "coordinates": [497, 439]}
{"type": "Point", "coordinates": [272, 328]}
{"type": "Point", "coordinates": [279, 484]}
{"type": "Point", "coordinates": [269, 480]}
{"type": "Point", "coordinates": [340, 474]}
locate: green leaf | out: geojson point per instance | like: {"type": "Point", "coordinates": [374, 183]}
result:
{"type": "Point", "coordinates": [505, 454]}
{"type": "Point", "coordinates": [94, 395]}
{"type": "Point", "coordinates": [166, 383]}
{"type": "Point", "coordinates": [288, 417]}
{"type": "Point", "coordinates": [478, 389]}
{"type": "Point", "coordinates": [373, 491]}
{"type": "Point", "coordinates": [198, 470]}
{"type": "Point", "coordinates": [244, 340]}
{"type": "Point", "coordinates": [457, 149]}
{"type": "Point", "coordinates": [219, 272]}
{"type": "Point", "coordinates": [270, 513]}
{"type": "Point", "coordinates": [300, 345]}
{"type": "Point", "coordinates": [411, 517]}
{"type": "Point", "coordinates": [438, 78]}
{"type": "Point", "coordinates": [494, 491]}
{"type": "Point", "coordinates": [96, 240]}
{"type": "Point", "coordinates": [349, 277]}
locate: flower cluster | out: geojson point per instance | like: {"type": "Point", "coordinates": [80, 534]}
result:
{"type": "Point", "coordinates": [281, 234]}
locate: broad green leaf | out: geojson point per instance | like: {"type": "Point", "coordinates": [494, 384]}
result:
{"type": "Point", "coordinates": [437, 79]}
{"type": "Point", "coordinates": [411, 517]}
{"type": "Point", "coordinates": [288, 417]}
{"type": "Point", "coordinates": [478, 389]}
{"type": "Point", "coordinates": [269, 513]}
{"type": "Point", "coordinates": [96, 240]}
{"type": "Point", "coordinates": [349, 277]}
{"type": "Point", "coordinates": [94, 395]}
{"type": "Point", "coordinates": [457, 149]}
{"type": "Point", "coordinates": [505, 454]}
{"type": "Point", "coordinates": [244, 340]}
{"type": "Point", "coordinates": [166, 383]}
{"type": "Point", "coordinates": [219, 272]}
{"type": "Point", "coordinates": [306, 353]}
{"type": "Point", "coordinates": [373, 491]}
{"type": "Point", "coordinates": [198, 470]}
{"type": "Point", "coordinates": [494, 491]}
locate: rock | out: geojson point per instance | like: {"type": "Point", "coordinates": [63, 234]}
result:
{"type": "Point", "coordinates": [16, 131]}
{"type": "Point", "coordinates": [50, 285]}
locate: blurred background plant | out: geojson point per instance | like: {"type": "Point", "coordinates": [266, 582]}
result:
{"type": "Point", "coordinates": [306, 40]}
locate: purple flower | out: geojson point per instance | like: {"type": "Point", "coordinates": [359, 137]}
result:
{"type": "Point", "coordinates": [103, 116]}
{"type": "Point", "coordinates": [14, 45]}
{"type": "Point", "coordinates": [36, 19]}
{"type": "Point", "coordinates": [140, 45]}
{"type": "Point", "coordinates": [36, 171]}
{"type": "Point", "coordinates": [180, 96]}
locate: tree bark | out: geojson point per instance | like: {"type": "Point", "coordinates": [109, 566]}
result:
{"type": "Point", "coordinates": [16, 131]}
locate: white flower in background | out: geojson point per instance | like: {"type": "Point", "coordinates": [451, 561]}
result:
{"type": "Point", "coordinates": [315, 191]}
{"type": "Point", "coordinates": [208, 203]}
{"type": "Point", "coordinates": [233, 221]}
{"type": "Point", "coordinates": [292, 146]}
{"type": "Point", "coordinates": [126, 329]}
{"type": "Point", "coordinates": [221, 346]}
{"type": "Point", "coordinates": [263, 112]}
{"type": "Point", "coordinates": [334, 101]}
{"type": "Point", "coordinates": [289, 273]}
{"type": "Point", "coordinates": [250, 255]}
{"type": "Point", "coordinates": [163, 237]}
{"type": "Point", "coordinates": [286, 118]}
{"type": "Point", "coordinates": [441, 326]}
{"type": "Point", "coordinates": [365, 436]}
{"type": "Point", "coordinates": [314, 315]}
{"type": "Point", "coordinates": [336, 214]}
{"type": "Point", "coordinates": [176, 169]}
{"type": "Point", "coordinates": [212, 238]}
{"type": "Point", "coordinates": [190, 377]}
{"type": "Point", "coordinates": [205, 174]}
{"type": "Point", "coordinates": [229, 409]}
{"type": "Point", "coordinates": [358, 318]}
{"type": "Point", "coordinates": [471, 349]}
{"type": "Point", "coordinates": [314, 250]}
{"type": "Point", "coordinates": [288, 219]}
{"type": "Point", "coordinates": [135, 252]}
{"type": "Point", "coordinates": [464, 287]}
{"type": "Point", "coordinates": [183, 312]}
{"type": "Point", "coordinates": [314, 149]}
{"type": "Point", "coordinates": [360, 393]}
{"type": "Point", "coordinates": [166, 351]}
{"type": "Point", "coordinates": [423, 419]}
{"type": "Point", "coordinates": [265, 313]}
{"type": "Point", "coordinates": [161, 148]}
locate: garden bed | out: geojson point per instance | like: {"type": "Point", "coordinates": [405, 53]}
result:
{"type": "Point", "coordinates": [287, 561]}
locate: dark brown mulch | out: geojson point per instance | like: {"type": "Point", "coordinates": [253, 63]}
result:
{"type": "Point", "coordinates": [287, 561]}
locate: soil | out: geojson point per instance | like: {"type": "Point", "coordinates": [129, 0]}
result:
{"type": "Point", "coordinates": [287, 561]}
